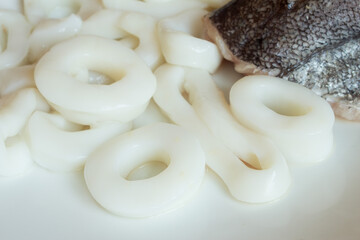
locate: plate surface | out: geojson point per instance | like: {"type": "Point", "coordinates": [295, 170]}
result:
{"type": "Point", "coordinates": [322, 203]}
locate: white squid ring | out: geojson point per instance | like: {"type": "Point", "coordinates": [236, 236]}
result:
{"type": "Point", "coordinates": [107, 168]}
{"type": "Point", "coordinates": [144, 28]}
{"type": "Point", "coordinates": [59, 145]}
{"type": "Point", "coordinates": [299, 122]}
{"type": "Point", "coordinates": [15, 157]}
{"type": "Point", "coordinates": [14, 79]}
{"type": "Point", "coordinates": [17, 44]}
{"type": "Point", "coordinates": [49, 32]}
{"type": "Point", "coordinates": [37, 10]}
{"type": "Point", "coordinates": [138, 28]}
{"type": "Point", "coordinates": [62, 76]}
{"type": "Point", "coordinates": [244, 183]}
{"type": "Point", "coordinates": [181, 42]}
{"type": "Point", "coordinates": [104, 23]}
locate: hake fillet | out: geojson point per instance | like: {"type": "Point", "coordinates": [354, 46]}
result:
{"type": "Point", "coordinates": [313, 43]}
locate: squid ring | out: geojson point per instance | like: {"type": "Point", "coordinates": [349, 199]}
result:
{"type": "Point", "coordinates": [62, 76]}
{"type": "Point", "coordinates": [298, 121]}
{"type": "Point", "coordinates": [37, 10]}
{"type": "Point", "coordinates": [144, 28]}
{"type": "Point", "coordinates": [59, 145]}
{"type": "Point", "coordinates": [127, 27]}
{"type": "Point", "coordinates": [244, 183]}
{"type": "Point", "coordinates": [49, 32]}
{"type": "Point", "coordinates": [14, 35]}
{"type": "Point", "coordinates": [15, 157]}
{"type": "Point", "coordinates": [106, 170]}
{"type": "Point", "coordinates": [181, 42]}
{"type": "Point", "coordinates": [14, 79]}
{"type": "Point", "coordinates": [103, 23]}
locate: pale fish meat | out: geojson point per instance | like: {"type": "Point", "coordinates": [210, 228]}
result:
{"type": "Point", "coordinates": [313, 43]}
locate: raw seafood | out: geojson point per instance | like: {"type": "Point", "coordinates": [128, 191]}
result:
{"type": "Point", "coordinates": [107, 170]}
{"type": "Point", "coordinates": [293, 117]}
{"type": "Point", "coordinates": [269, 182]}
{"type": "Point", "coordinates": [334, 75]}
{"type": "Point", "coordinates": [291, 39]}
{"type": "Point", "coordinates": [93, 103]}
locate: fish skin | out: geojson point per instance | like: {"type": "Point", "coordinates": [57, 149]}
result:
{"type": "Point", "coordinates": [335, 76]}
{"type": "Point", "coordinates": [240, 21]}
{"type": "Point", "coordinates": [278, 35]}
{"type": "Point", "coordinates": [313, 43]}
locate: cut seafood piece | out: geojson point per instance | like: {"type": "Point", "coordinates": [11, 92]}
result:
{"type": "Point", "coordinates": [244, 183]}
{"type": "Point", "coordinates": [62, 146]}
{"type": "Point", "coordinates": [108, 171]}
{"type": "Point", "coordinates": [69, 64]}
{"type": "Point", "coordinates": [182, 43]}
{"type": "Point", "coordinates": [276, 36]}
{"type": "Point", "coordinates": [314, 43]}
{"type": "Point", "coordinates": [335, 76]}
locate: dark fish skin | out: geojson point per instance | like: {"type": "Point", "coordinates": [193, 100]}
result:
{"type": "Point", "coordinates": [335, 76]}
{"type": "Point", "coordinates": [313, 43]}
{"type": "Point", "coordinates": [279, 35]}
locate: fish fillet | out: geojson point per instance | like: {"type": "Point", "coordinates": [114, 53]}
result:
{"type": "Point", "coordinates": [313, 43]}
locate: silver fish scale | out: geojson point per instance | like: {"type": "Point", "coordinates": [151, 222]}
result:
{"type": "Point", "coordinates": [238, 22]}
{"type": "Point", "coordinates": [333, 74]}
{"type": "Point", "coordinates": [278, 35]}
{"type": "Point", "coordinates": [294, 37]}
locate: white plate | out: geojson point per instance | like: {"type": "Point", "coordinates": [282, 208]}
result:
{"type": "Point", "coordinates": [322, 203]}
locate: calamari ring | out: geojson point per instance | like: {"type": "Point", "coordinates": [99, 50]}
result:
{"type": "Point", "coordinates": [125, 26]}
{"type": "Point", "coordinates": [62, 146]}
{"type": "Point", "coordinates": [104, 23]}
{"type": "Point", "coordinates": [106, 170]}
{"type": "Point", "coordinates": [14, 79]}
{"type": "Point", "coordinates": [14, 43]}
{"type": "Point", "coordinates": [37, 10]}
{"type": "Point", "coordinates": [244, 183]}
{"type": "Point", "coordinates": [51, 31]}
{"type": "Point", "coordinates": [299, 122]}
{"type": "Point", "coordinates": [181, 42]}
{"type": "Point", "coordinates": [15, 157]}
{"type": "Point", "coordinates": [62, 76]}
{"type": "Point", "coordinates": [144, 28]}
{"type": "Point", "coordinates": [17, 109]}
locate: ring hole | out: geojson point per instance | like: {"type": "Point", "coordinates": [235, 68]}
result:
{"type": "Point", "coordinates": [130, 41]}
{"type": "Point", "coordinates": [252, 161]}
{"type": "Point", "coordinates": [150, 167]}
{"type": "Point", "coordinates": [186, 96]}
{"type": "Point", "coordinates": [185, 93]}
{"type": "Point", "coordinates": [99, 78]}
{"type": "Point", "coordinates": [95, 77]}
{"type": "Point", "coordinates": [147, 170]}
{"type": "Point", "coordinates": [286, 107]}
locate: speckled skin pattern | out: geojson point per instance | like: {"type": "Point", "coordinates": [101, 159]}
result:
{"type": "Point", "coordinates": [281, 34]}
{"type": "Point", "coordinates": [313, 42]}
{"type": "Point", "coordinates": [332, 74]}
